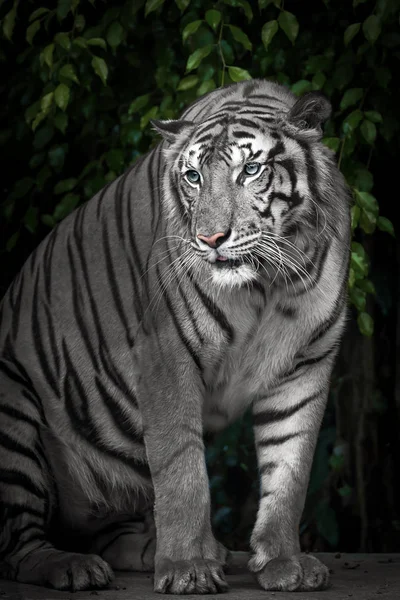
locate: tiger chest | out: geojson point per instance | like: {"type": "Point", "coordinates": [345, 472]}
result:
{"type": "Point", "coordinates": [264, 345]}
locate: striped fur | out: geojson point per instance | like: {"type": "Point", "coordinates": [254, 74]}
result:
{"type": "Point", "coordinates": [125, 336]}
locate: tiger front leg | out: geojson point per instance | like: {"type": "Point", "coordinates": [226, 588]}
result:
{"type": "Point", "coordinates": [286, 425]}
{"type": "Point", "coordinates": [188, 559]}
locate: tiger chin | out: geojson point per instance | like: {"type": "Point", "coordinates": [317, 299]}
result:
{"type": "Point", "coordinates": [209, 278]}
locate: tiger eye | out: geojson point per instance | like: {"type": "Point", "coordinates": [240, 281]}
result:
{"type": "Point", "coordinates": [192, 176]}
{"type": "Point", "coordinates": [252, 168]}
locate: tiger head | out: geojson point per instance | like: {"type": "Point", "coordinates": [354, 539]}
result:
{"type": "Point", "coordinates": [250, 185]}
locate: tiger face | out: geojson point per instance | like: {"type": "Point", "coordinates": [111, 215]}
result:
{"type": "Point", "coordinates": [247, 192]}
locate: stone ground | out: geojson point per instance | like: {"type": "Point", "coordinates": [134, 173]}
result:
{"type": "Point", "coordinates": [354, 576]}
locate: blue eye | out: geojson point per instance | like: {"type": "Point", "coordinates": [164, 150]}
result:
{"type": "Point", "coordinates": [192, 176]}
{"type": "Point", "coordinates": [252, 168]}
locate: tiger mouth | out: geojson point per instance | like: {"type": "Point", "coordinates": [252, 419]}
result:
{"type": "Point", "coordinates": [229, 263]}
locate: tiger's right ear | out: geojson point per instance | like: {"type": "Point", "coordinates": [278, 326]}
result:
{"type": "Point", "coordinates": [171, 130]}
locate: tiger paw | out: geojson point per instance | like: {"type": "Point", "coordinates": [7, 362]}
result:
{"type": "Point", "coordinates": [196, 576]}
{"type": "Point", "coordinates": [67, 571]}
{"type": "Point", "coordinates": [301, 573]}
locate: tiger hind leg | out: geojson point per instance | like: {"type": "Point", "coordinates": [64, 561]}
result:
{"type": "Point", "coordinates": [128, 546]}
{"type": "Point", "coordinates": [28, 498]}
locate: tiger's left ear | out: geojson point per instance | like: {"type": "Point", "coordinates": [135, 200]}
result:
{"type": "Point", "coordinates": [310, 112]}
{"type": "Point", "coordinates": [171, 130]}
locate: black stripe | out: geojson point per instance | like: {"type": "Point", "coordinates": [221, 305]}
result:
{"type": "Point", "coordinates": [109, 263]}
{"type": "Point", "coordinates": [121, 421]}
{"type": "Point", "coordinates": [13, 445]}
{"type": "Point", "coordinates": [243, 134]}
{"type": "Point", "coordinates": [185, 341]}
{"type": "Point", "coordinates": [268, 467]}
{"type": "Point", "coordinates": [215, 312]}
{"type": "Point", "coordinates": [277, 441]}
{"type": "Point", "coordinates": [77, 302]}
{"type": "Point", "coordinates": [143, 552]}
{"type": "Point", "coordinates": [15, 477]}
{"type": "Point", "coordinates": [85, 426]}
{"type": "Point", "coordinates": [272, 416]}
{"type": "Point", "coordinates": [37, 338]}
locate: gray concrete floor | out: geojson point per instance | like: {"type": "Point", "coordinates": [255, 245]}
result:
{"type": "Point", "coordinates": [353, 577]}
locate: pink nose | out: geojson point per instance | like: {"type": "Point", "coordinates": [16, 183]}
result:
{"type": "Point", "coordinates": [212, 239]}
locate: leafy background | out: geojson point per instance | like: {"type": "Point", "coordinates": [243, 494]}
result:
{"type": "Point", "coordinates": [81, 80]}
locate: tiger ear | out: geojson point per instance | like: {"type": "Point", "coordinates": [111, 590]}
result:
{"type": "Point", "coordinates": [171, 130]}
{"type": "Point", "coordinates": [310, 112]}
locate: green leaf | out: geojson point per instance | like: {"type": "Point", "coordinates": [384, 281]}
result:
{"type": "Point", "coordinates": [38, 13]}
{"type": "Point", "coordinates": [63, 8]}
{"type": "Point", "coordinates": [268, 32]}
{"type": "Point", "coordinates": [31, 219]}
{"type": "Point", "coordinates": [48, 220]}
{"type": "Point", "coordinates": [139, 103]}
{"type": "Point", "coordinates": [318, 81]}
{"type": "Point", "coordinates": [246, 6]}
{"type": "Point", "coordinates": [240, 37]}
{"type": "Point", "coordinates": [363, 180]}
{"type": "Point", "coordinates": [9, 21]}
{"type": "Point", "coordinates": [100, 68]}
{"type": "Point", "coordinates": [358, 297]}
{"type": "Point", "coordinates": [332, 142]}
{"type": "Point", "coordinates": [66, 206]}
{"type": "Point", "coordinates": [56, 155]}
{"type": "Point", "coordinates": [32, 31]}
{"type": "Point", "coordinates": [345, 491]}
{"type": "Point", "coordinates": [367, 201]}
{"type": "Point", "coordinates": [187, 83]}
{"type": "Point", "coordinates": [190, 29]}
{"type": "Point", "coordinates": [352, 121]}
{"type": "Point", "coordinates": [374, 116]}
{"type": "Point", "coordinates": [367, 286]}
{"type": "Point", "coordinates": [151, 114]}
{"type": "Point", "coordinates": [365, 324]}
{"type": "Point", "coordinates": [238, 74]}
{"type": "Point", "coordinates": [66, 185]}
{"type": "Point", "coordinates": [205, 87]}
{"type": "Point", "coordinates": [355, 216]}
{"type": "Point", "coordinates": [195, 59]}
{"type": "Point", "coordinates": [46, 55]}
{"type": "Point", "coordinates": [351, 97]}
{"type": "Point", "coordinates": [115, 34]}
{"type": "Point", "coordinates": [97, 42]}
{"type": "Point", "coordinates": [62, 39]}
{"type": "Point", "coordinates": [264, 3]}
{"type": "Point", "coordinates": [351, 32]}
{"type": "Point", "coordinates": [22, 187]}
{"type": "Point", "coordinates": [300, 87]}
{"type": "Point", "coordinates": [43, 136]}
{"type": "Point", "coordinates": [213, 18]}
{"type": "Point", "coordinates": [61, 96]}
{"type": "Point", "coordinates": [61, 121]}
{"type": "Point", "coordinates": [80, 42]}
{"type": "Point", "coordinates": [38, 119]}
{"type": "Point", "coordinates": [367, 221]}
{"type": "Point", "coordinates": [12, 241]}
{"type": "Point", "coordinates": [182, 4]}
{"type": "Point", "coordinates": [80, 22]}
{"type": "Point", "coordinates": [46, 102]}
{"type": "Point", "coordinates": [372, 28]}
{"type": "Point", "coordinates": [289, 24]}
{"type": "Point", "coordinates": [368, 130]}
{"type": "Point", "coordinates": [115, 159]}
{"type": "Point", "coordinates": [68, 72]}
{"type": "Point", "coordinates": [385, 225]}
{"type": "Point", "coordinates": [152, 5]}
